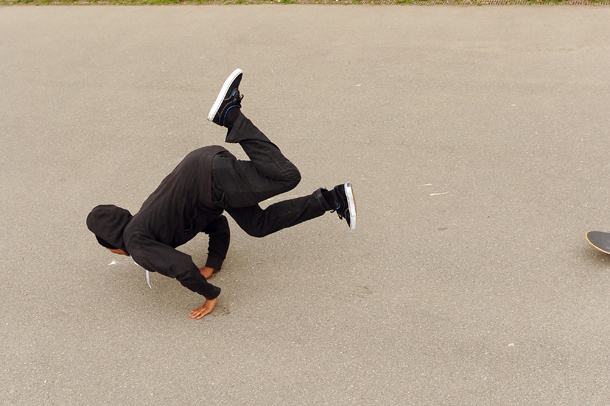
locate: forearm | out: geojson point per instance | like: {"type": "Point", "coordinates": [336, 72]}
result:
{"type": "Point", "coordinates": [220, 238]}
{"type": "Point", "coordinates": [197, 283]}
{"type": "Point", "coordinates": [214, 262]}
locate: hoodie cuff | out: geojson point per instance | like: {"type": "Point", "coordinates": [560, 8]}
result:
{"type": "Point", "coordinates": [214, 262]}
{"type": "Point", "coordinates": [214, 294]}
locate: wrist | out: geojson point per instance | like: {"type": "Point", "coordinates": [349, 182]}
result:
{"type": "Point", "coordinates": [206, 271]}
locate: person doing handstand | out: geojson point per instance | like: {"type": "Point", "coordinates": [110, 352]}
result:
{"type": "Point", "coordinates": [206, 183]}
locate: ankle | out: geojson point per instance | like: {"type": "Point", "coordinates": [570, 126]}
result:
{"type": "Point", "coordinates": [231, 116]}
{"type": "Point", "coordinates": [331, 199]}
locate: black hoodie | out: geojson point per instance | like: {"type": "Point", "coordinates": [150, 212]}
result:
{"type": "Point", "coordinates": [173, 214]}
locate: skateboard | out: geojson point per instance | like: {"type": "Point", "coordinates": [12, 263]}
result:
{"type": "Point", "coordinates": [599, 240]}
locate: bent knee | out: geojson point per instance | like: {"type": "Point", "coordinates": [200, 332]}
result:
{"type": "Point", "coordinates": [292, 177]}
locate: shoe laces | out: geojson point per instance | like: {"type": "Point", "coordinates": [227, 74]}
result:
{"type": "Point", "coordinates": [341, 216]}
{"type": "Point", "coordinates": [237, 96]}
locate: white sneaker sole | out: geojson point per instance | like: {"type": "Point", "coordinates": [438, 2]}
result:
{"type": "Point", "coordinates": [223, 93]}
{"type": "Point", "coordinates": [351, 204]}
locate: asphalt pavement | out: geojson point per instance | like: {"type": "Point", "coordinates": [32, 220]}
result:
{"type": "Point", "coordinates": [477, 141]}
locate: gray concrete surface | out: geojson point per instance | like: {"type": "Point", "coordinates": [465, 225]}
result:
{"type": "Point", "coordinates": [476, 138]}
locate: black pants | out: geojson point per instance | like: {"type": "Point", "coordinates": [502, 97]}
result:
{"type": "Point", "coordinates": [238, 186]}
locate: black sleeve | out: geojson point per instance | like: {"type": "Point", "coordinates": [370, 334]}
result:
{"type": "Point", "coordinates": [220, 237]}
{"type": "Point", "coordinates": [157, 257]}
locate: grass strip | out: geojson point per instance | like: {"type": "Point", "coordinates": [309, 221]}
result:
{"type": "Point", "coordinates": [342, 2]}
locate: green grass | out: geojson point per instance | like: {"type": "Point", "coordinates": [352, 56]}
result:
{"type": "Point", "coordinates": [352, 2]}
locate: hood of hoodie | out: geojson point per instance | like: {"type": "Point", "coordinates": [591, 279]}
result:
{"type": "Point", "coordinates": [107, 222]}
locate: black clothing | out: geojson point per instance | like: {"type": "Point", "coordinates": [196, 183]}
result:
{"type": "Point", "coordinates": [192, 198]}
{"type": "Point", "coordinates": [173, 214]}
{"type": "Point", "coordinates": [107, 222]}
{"type": "Point", "coordinates": [238, 186]}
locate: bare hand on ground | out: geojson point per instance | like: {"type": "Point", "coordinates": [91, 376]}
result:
{"type": "Point", "coordinates": [206, 271]}
{"type": "Point", "coordinates": [207, 307]}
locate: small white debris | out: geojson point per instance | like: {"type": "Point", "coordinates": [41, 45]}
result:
{"type": "Point", "coordinates": [438, 194]}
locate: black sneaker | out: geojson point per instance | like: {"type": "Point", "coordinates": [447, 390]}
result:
{"type": "Point", "coordinates": [347, 204]}
{"type": "Point", "coordinates": [228, 98]}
